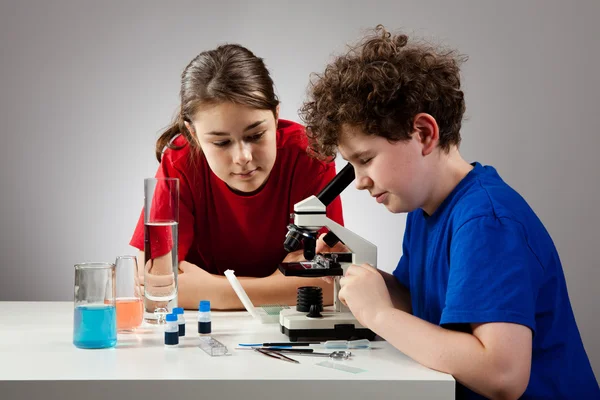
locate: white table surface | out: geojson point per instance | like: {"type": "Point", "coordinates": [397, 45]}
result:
{"type": "Point", "coordinates": [39, 360]}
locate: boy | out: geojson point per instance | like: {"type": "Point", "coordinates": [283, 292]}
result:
{"type": "Point", "coordinates": [479, 291]}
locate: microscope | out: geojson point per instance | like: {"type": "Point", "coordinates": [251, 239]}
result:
{"type": "Point", "coordinates": [310, 319]}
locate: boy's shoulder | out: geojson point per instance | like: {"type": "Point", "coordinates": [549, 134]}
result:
{"type": "Point", "coordinates": [488, 195]}
{"type": "Point", "coordinates": [483, 193]}
{"type": "Point", "coordinates": [489, 206]}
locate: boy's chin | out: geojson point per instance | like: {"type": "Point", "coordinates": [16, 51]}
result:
{"type": "Point", "coordinates": [397, 207]}
{"type": "Point", "coordinates": [394, 208]}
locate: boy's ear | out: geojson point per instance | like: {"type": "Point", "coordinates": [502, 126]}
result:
{"type": "Point", "coordinates": [427, 131]}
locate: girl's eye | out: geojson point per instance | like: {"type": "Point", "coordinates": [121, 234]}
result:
{"type": "Point", "coordinates": [255, 138]}
{"type": "Point", "coordinates": [366, 161]}
{"type": "Point", "coordinates": [222, 143]}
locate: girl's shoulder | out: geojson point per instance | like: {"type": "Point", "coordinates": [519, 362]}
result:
{"type": "Point", "coordinates": [180, 155]}
{"type": "Point", "coordinates": [291, 135]}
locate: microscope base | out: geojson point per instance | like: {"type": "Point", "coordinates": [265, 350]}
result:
{"type": "Point", "coordinates": [332, 326]}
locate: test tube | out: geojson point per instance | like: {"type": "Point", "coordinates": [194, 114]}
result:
{"type": "Point", "coordinates": [180, 319]}
{"type": "Point", "coordinates": [171, 331]}
{"type": "Point", "coordinates": [204, 325]}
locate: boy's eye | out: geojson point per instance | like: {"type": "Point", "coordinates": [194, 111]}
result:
{"type": "Point", "coordinates": [222, 143]}
{"type": "Point", "coordinates": [365, 161]}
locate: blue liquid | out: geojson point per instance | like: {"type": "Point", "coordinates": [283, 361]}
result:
{"type": "Point", "coordinates": [95, 326]}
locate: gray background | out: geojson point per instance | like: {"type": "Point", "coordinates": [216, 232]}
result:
{"type": "Point", "coordinates": [85, 87]}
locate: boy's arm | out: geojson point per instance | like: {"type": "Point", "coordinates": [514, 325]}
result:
{"type": "Point", "coordinates": [399, 294]}
{"type": "Point", "coordinates": [494, 361]}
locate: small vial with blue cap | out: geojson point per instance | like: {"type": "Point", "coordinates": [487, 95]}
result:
{"type": "Point", "coordinates": [180, 319]}
{"type": "Point", "coordinates": [171, 330]}
{"type": "Point", "coordinates": [204, 325]}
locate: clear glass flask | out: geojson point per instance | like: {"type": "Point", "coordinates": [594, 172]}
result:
{"type": "Point", "coordinates": [161, 217]}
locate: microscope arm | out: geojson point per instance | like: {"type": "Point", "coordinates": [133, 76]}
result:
{"type": "Point", "coordinates": [362, 250]}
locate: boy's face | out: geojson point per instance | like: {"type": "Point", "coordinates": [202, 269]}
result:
{"type": "Point", "coordinates": [395, 174]}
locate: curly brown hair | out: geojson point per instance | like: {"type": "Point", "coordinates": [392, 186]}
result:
{"type": "Point", "coordinates": [380, 85]}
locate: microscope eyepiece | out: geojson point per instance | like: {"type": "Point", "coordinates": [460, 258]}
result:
{"type": "Point", "coordinates": [337, 185]}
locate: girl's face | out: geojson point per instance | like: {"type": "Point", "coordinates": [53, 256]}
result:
{"type": "Point", "coordinates": [239, 143]}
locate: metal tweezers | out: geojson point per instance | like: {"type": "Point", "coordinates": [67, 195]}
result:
{"type": "Point", "coordinates": [277, 355]}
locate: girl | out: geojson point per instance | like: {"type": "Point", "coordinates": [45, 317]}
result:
{"type": "Point", "coordinates": [241, 169]}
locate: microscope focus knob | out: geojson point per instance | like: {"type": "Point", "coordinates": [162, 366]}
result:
{"type": "Point", "coordinates": [315, 311]}
{"type": "Point", "coordinates": [331, 239]}
{"type": "Point", "coordinates": [309, 297]}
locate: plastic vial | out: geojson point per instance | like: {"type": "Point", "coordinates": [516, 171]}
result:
{"type": "Point", "coordinates": [204, 317]}
{"type": "Point", "coordinates": [171, 331]}
{"type": "Point", "coordinates": [180, 320]}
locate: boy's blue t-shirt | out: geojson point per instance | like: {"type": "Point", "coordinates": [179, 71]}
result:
{"type": "Point", "coordinates": [484, 256]}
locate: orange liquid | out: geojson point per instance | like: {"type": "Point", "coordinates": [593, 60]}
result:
{"type": "Point", "coordinates": [130, 313]}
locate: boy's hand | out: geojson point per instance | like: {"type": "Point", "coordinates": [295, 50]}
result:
{"type": "Point", "coordinates": [364, 291]}
{"type": "Point", "coordinates": [322, 247]}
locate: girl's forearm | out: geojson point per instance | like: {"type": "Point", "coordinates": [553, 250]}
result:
{"type": "Point", "coordinates": [274, 289]}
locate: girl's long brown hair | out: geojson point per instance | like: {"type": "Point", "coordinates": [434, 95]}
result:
{"type": "Point", "coordinates": [229, 73]}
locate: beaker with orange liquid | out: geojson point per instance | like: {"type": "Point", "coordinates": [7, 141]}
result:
{"type": "Point", "coordinates": [129, 299]}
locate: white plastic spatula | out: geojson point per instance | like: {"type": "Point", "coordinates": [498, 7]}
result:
{"type": "Point", "coordinates": [241, 293]}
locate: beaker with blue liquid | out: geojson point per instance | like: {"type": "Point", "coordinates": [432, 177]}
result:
{"type": "Point", "coordinates": [95, 316]}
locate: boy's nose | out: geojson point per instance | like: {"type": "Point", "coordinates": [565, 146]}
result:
{"type": "Point", "coordinates": [363, 182]}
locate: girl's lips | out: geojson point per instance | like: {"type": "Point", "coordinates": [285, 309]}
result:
{"type": "Point", "coordinates": [249, 174]}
